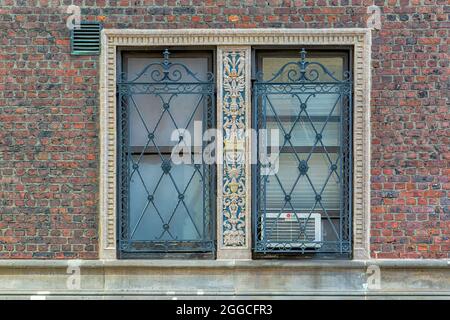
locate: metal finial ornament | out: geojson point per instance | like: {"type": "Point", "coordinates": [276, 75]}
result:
{"type": "Point", "coordinates": [166, 54]}
{"type": "Point", "coordinates": [166, 62]}
{"type": "Point", "coordinates": [303, 54]}
{"type": "Point", "coordinates": [303, 64]}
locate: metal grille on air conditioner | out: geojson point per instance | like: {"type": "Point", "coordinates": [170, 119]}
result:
{"type": "Point", "coordinates": [290, 229]}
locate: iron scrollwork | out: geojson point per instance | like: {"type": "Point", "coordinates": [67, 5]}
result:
{"type": "Point", "coordinates": [165, 81]}
{"type": "Point", "coordinates": [302, 82]}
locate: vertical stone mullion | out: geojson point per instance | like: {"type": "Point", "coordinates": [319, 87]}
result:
{"type": "Point", "coordinates": [234, 181]}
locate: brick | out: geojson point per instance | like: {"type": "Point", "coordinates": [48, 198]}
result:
{"type": "Point", "coordinates": [49, 113]}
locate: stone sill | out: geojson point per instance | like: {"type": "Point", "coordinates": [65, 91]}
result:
{"type": "Point", "coordinates": [152, 279]}
{"type": "Point", "coordinates": [232, 264]}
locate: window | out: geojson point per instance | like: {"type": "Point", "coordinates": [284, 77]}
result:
{"type": "Point", "coordinates": [349, 213]}
{"type": "Point", "coordinates": [165, 208]}
{"type": "Point", "coordinates": [301, 197]}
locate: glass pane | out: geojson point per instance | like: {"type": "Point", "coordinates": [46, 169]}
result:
{"type": "Point", "coordinates": [304, 133]}
{"type": "Point", "coordinates": [287, 105]}
{"type": "Point", "coordinates": [166, 200]}
{"type": "Point", "coordinates": [165, 206]}
{"type": "Point", "coordinates": [182, 111]}
{"type": "Point", "coordinates": [271, 65]}
{"type": "Point", "coordinates": [303, 191]}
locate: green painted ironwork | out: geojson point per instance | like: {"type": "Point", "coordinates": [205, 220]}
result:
{"type": "Point", "coordinates": [289, 229]}
{"type": "Point", "coordinates": [165, 81]}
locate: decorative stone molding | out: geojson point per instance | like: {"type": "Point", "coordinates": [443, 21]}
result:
{"type": "Point", "coordinates": [361, 146]}
{"type": "Point", "coordinates": [108, 150]}
{"type": "Point", "coordinates": [225, 279]}
{"type": "Point", "coordinates": [359, 38]}
{"type": "Point", "coordinates": [233, 179]}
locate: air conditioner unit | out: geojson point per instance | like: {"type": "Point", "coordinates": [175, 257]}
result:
{"type": "Point", "coordinates": [288, 229]}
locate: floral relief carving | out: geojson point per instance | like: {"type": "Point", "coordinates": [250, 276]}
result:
{"type": "Point", "coordinates": [234, 184]}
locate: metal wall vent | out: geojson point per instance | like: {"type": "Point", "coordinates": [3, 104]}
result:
{"type": "Point", "coordinates": [86, 39]}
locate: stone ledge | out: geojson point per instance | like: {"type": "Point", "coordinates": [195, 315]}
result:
{"type": "Point", "coordinates": [226, 264]}
{"type": "Point", "coordinates": [123, 295]}
{"type": "Point", "coordinates": [215, 279]}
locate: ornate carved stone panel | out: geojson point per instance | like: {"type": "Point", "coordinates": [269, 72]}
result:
{"type": "Point", "coordinates": [233, 102]}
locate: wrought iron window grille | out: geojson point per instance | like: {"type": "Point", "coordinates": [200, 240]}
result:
{"type": "Point", "coordinates": [170, 83]}
{"type": "Point", "coordinates": [291, 228]}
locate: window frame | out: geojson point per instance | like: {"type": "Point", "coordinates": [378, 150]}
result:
{"type": "Point", "coordinates": [177, 52]}
{"type": "Point", "coordinates": [228, 40]}
{"type": "Point", "coordinates": [258, 54]}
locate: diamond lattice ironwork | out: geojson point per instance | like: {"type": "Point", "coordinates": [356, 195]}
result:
{"type": "Point", "coordinates": [313, 179]}
{"type": "Point", "coordinates": [160, 209]}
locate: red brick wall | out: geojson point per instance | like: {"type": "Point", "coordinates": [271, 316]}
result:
{"type": "Point", "coordinates": [49, 115]}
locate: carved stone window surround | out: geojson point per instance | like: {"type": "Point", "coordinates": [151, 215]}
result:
{"type": "Point", "coordinates": [228, 40]}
